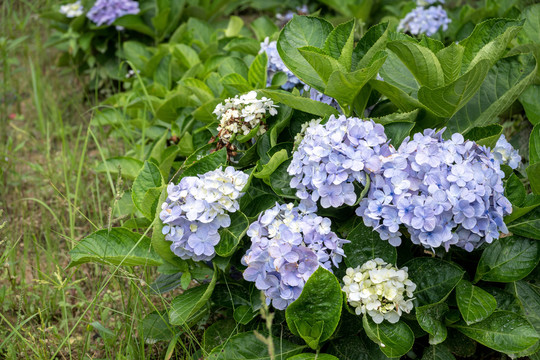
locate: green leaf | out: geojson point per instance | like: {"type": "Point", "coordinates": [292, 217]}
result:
{"type": "Point", "coordinates": [299, 103]}
{"type": "Point", "coordinates": [503, 84]}
{"type": "Point", "coordinates": [267, 169]}
{"type": "Point", "coordinates": [482, 35]}
{"type": "Point", "coordinates": [437, 352]}
{"type": "Point", "coordinates": [373, 41]}
{"type": "Point", "coordinates": [340, 43]}
{"type": "Point", "coordinates": [263, 27]}
{"type": "Point", "coordinates": [395, 73]}
{"type": "Point", "coordinates": [156, 327]}
{"type": "Point", "coordinates": [485, 135]}
{"type": "Point", "coordinates": [450, 59]}
{"type": "Point", "coordinates": [533, 173]}
{"type": "Point", "coordinates": [534, 145]}
{"type": "Point", "coordinates": [398, 97]}
{"type": "Point", "coordinates": [244, 314]}
{"type": "Point", "coordinates": [185, 305]}
{"type": "Point", "coordinates": [244, 45]}
{"type": "Point", "coordinates": [218, 333]}
{"type": "Point", "coordinates": [503, 331]}
{"type": "Point", "coordinates": [431, 319]}
{"type": "Point", "coordinates": [319, 302]}
{"type": "Point", "coordinates": [366, 244]}
{"type": "Point", "coordinates": [529, 299]}
{"type": "Point", "coordinates": [496, 48]}
{"type": "Point", "coordinates": [528, 225]}
{"type": "Point", "coordinates": [135, 23]}
{"type": "Point", "coordinates": [257, 71]}
{"type": "Point", "coordinates": [322, 63]}
{"type": "Point", "coordinates": [355, 347]}
{"type": "Point", "coordinates": [394, 340]}
{"type": "Point", "coordinates": [146, 189]}
{"type": "Point", "coordinates": [311, 356]}
{"type": "Point", "coordinates": [474, 303]}
{"type": "Point", "coordinates": [529, 100]}
{"type": "Point", "coordinates": [118, 246]}
{"type": "Point", "coordinates": [515, 190]}
{"type": "Point", "coordinates": [508, 259]}
{"type": "Point", "coordinates": [246, 346]}
{"type": "Point", "coordinates": [235, 25]}
{"type": "Point", "coordinates": [345, 86]}
{"type": "Point", "coordinates": [421, 61]}
{"type": "Point", "coordinates": [128, 167]}
{"type": "Point", "coordinates": [230, 236]}
{"type": "Point", "coordinates": [398, 131]}
{"type": "Point", "coordinates": [445, 101]}
{"type": "Point", "coordinates": [206, 163]}
{"type": "Point", "coordinates": [434, 279]}
{"type": "Point", "coordinates": [299, 32]}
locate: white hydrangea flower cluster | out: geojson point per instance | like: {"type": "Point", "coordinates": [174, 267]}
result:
{"type": "Point", "coordinates": [197, 208]}
{"type": "Point", "coordinates": [72, 10]}
{"type": "Point", "coordinates": [240, 115]}
{"type": "Point", "coordinates": [505, 153]}
{"type": "Point", "coordinates": [379, 290]}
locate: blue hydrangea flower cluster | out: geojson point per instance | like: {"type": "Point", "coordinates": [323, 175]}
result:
{"type": "Point", "coordinates": [197, 208]}
{"type": "Point", "coordinates": [285, 18]}
{"type": "Point", "coordinates": [332, 156]}
{"type": "Point", "coordinates": [288, 244]}
{"type": "Point", "coordinates": [444, 192]}
{"type": "Point", "coordinates": [505, 153]}
{"type": "Point", "coordinates": [107, 11]}
{"type": "Point", "coordinates": [425, 20]}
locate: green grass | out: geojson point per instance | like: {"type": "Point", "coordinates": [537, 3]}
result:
{"type": "Point", "coordinates": [51, 198]}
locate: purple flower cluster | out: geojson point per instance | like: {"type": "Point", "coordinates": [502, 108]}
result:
{"type": "Point", "coordinates": [332, 156]}
{"type": "Point", "coordinates": [425, 21]}
{"type": "Point", "coordinates": [288, 244]}
{"type": "Point", "coordinates": [505, 153]}
{"type": "Point", "coordinates": [107, 11]}
{"type": "Point", "coordinates": [197, 208]}
{"type": "Point", "coordinates": [444, 192]}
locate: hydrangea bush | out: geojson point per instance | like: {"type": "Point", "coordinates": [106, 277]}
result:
{"type": "Point", "coordinates": [394, 221]}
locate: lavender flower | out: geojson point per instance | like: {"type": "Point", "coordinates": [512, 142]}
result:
{"type": "Point", "coordinates": [443, 192]}
{"type": "Point", "coordinates": [505, 153]}
{"type": "Point", "coordinates": [428, 21]}
{"type": "Point", "coordinates": [197, 208]}
{"type": "Point", "coordinates": [288, 244]}
{"type": "Point", "coordinates": [331, 157]}
{"type": "Point", "coordinates": [107, 11]}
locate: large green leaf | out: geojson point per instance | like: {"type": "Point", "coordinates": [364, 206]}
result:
{"type": "Point", "coordinates": [311, 356]}
{"type": "Point", "coordinates": [146, 189]}
{"type": "Point", "coordinates": [437, 352]}
{"type": "Point", "coordinates": [299, 103]}
{"type": "Point", "coordinates": [534, 145]}
{"type": "Point", "coordinates": [483, 34]}
{"type": "Point", "coordinates": [246, 346]}
{"type": "Point", "coordinates": [503, 84]}
{"type": "Point", "coordinates": [474, 303]}
{"type": "Point", "coordinates": [345, 86]}
{"type": "Point", "coordinates": [421, 61]}
{"type": "Point", "coordinates": [117, 246]}
{"type": "Point", "coordinates": [366, 244]}
{"type": "Point", "coordinates": [373, 41]}
{"type": "Point", "coordinates": [303, 31]}
{"type": "Point", "coordinates": [445, 101]}
{"type": "Point", "coordinates": [267, 169]}
{"type": "Point", "coordinates": [394, 340]}
{"type": "Point", "coordinates": [397, 96]}
{"type": "Point", "coordinates": [185, 305]}
{"type": "Point", "coordinates": [230, 236]}
{"type": "Point", "coordinates": [257, 71]}
{"type": "Point", "coordinates": [531, 105]}
{"type": "Point", "coordinates": [206, 163]}
{"type": "Point", "coordinates": [529, 299]}
{"type": "Point", "coordinates": [508, 259]}
{"type": "Point", "coordinates": [434, 279]}
{"type": "Point", "coordinates": [128, 167]}
{"type": "Point", "coordinates": [450, 59]}
{"type": "Point", "coordinates": [395, 73]}
{"type": "Point", "coordinates": [503, 331]}
{"type": "Point", "coordinates": [431, 319]}
{"type": "Point", "coordinates": [315, 315]}
{"type": "Point", "coordinates": [355, 347]}
{"type": "Point", "coordinates": [340, 43]}
{"type": "Point", "coordinates": [323, 64]}
{"type": "Point", "coordinates": [515, 190]}
{"type": "Point", "coordinates": [527, 225]}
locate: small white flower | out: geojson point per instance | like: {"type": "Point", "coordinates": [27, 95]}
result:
{"type": "Point", "coordinates": [72, 10]}
{"type": "Point", "coordinates": [379, 290]}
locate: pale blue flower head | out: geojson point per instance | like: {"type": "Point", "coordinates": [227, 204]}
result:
{"type": "Point", "coordinates": [425, 21]}
{"type": "Point", "coordinates": [505, 153]}
{"type": "Point", "coordinates": [107, 11]}
{"type": "Point", "coordinates": [288, 244]}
